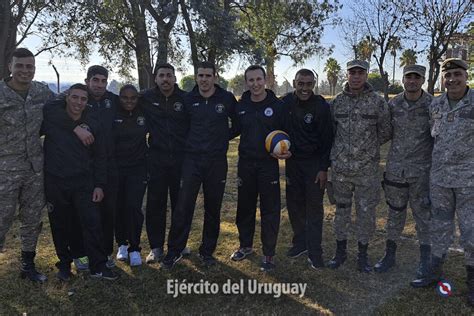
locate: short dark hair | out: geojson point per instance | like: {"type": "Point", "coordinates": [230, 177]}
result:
{"type": "Point", "coordinates": [78, 86]}
{"type": "Point", "coordinates": [209, 65]}
{"type": "Point", "coordinates": [128, 87]}
{"type": "Point", "coordinates": [22, 52]}
{"type": "Point", "coordinates": [164, 65]}
{"type": "Point", "coordinates": [304, 72]}
{"type": "Point", "coordinates": [254, 67]}
{"type": "Point", "coordinates": [97, 70]}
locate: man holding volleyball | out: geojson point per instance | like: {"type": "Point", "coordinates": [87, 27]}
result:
{"type": "Point", "coordinates": [259, 113]}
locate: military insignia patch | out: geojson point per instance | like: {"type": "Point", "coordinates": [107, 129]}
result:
{"type": "Point", "coordinates": [268, 112]}
{"type": "Point", "coordinates": [220, 108]}
{"type": "Point", "coordinates": [141, 120]}
{"type": "Point", "coordinates": [85, 126]}
{"type": "Point", "coordinates": [178, 106]}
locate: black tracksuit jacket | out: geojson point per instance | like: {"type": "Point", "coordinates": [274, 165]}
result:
{"type": "Point", "coordinates": [310, 128]}
{"type": "Point", "coordinates": [166, 119]}
{"type": "Point", "coordinates": [65, 155]}
{"type": "Point", "coordinates": [255, 121]}
{"type": "Point", "coordinates": [130, 138]}
{"type": "Point", "coordinates": [210, 129]}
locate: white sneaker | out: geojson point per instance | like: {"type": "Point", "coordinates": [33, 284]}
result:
{"type": "Point", "coordinates": [135, 258]}
{"type": "Point", "coordinates": [122, 253]}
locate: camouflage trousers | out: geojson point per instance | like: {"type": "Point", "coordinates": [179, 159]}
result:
{"type": "Point", "coordinates": [25, 188]}
{"type": "Point", "coordinates": [446, 202]}
{"type": "Point", "coordinates": [398, 193]}
{"type": "Point", "coordinates": [366, 192]}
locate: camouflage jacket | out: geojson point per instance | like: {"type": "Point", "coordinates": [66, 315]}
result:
{"type": "Point", "coordinates": [20, 122]}
{"type": "Point", "coordinates": [453, 132]}
{"type": "Point", "coordinates": [410, 152]}
{"type": "Point", "coordinates": [362, 124]}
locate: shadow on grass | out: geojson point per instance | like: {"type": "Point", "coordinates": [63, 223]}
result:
{"type": "Point", "coordinates": [143, 290]}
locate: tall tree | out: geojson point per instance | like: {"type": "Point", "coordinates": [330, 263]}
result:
{"type": "Point", "coordinates": [16, 21]}
{"type": "Point", "coordinates": [287, 28]}
{"type": "Point", "coordinates": [408, 57]}
{"type": "Point", "coordinates": [237, 85]}
{"type": "Point", "coordinates": [212, 30]}
{"type": "Point", "coordinates": [365, 49]}
{"type": "Point", "coordinates": [128, 34]}
{"type": "Point", "coordinates": [383, 21]}
{"type": "Point", "coordinates": [352, 33]}
{"type": "Point", "coordinates": [436, 22]}
{"type": "Point", "coordinates": [333, 70]}
{"type": "Point", "coordinates": [395, 46]}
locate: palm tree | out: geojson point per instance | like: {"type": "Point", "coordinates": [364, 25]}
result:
{"type": "Point", "coordinates": [332, 69]}
{"type": "Point", "coordinates": [408, 58]}
{"type": "Point", "coordinates": [365, 49]}
{"type": "Point", "coordinates": [394, 46]}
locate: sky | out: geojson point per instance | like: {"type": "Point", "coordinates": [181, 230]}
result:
{"type": "Point", "coordinates": [72, 71]}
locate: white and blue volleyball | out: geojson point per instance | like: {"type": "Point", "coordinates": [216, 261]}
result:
{"type": "Point", "coordinates": [277, 142]}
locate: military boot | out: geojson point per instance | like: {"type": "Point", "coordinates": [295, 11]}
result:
{"type": "Point", "coordinates": [388, 260]}
{"type": "Point", "coordinates": [434, 274]}
{"type": "Point", "coordinates": [470, 285]}
{"type": "Point", "coordinates": [363, 259]}
{"type": "Point", "coordinates": [28, 269]}
{"type": "Point", "coordinates": [424, 265]}
{"type": "Point", "coordinates": [340, 256]}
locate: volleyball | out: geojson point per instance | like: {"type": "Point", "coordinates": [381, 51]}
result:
{"type": "Point", "coordinates": [277, 142]}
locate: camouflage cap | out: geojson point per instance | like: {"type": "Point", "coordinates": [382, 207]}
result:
{"type": "Point", "coordinates": [453, 63]}
{"type": "Point", "coordinates": [414, 69]}
{"type": "Point", "coordinates": [357, 63]}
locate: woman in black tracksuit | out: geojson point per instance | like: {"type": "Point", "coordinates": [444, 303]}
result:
{"type": "Point", "coordinates": [130, 153]}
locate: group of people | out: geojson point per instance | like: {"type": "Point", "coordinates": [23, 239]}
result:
{"type": "Point", "coordinates": [103, 151]}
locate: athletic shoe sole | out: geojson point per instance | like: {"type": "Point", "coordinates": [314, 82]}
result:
{"type": "Point", "coordinates": [244, 255]}
{"type": "Point", "coordinates": [99, 276]}
{"type": "Point", "coordinates": [169, 267]}
{"type": "Point", "coordinates": [298, 254]}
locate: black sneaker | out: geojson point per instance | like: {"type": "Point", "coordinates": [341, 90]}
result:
{"type": "Point", "coordinates": [155, 255]}
{"type": "Point", "coordinates": [106, 274]}
{"type": "Point", "coordinates": [33, 275]}
{"type": "Point", "coordinates": [267, 264]}
{"type": "Point", "coordinates": [170, 260]}
{"type": "Point", "coordinates": [64, 274]}
{"type": "Point", "coordinates": [208, 260]}
{"type": "Point", "coordinates": [316, 262]}
{"type": "Point", "coordinates": [186, 252]}
{"type": "Point", "coordinates": [241, 253]}
{"type": "Point", "coordinates": [295, 252]}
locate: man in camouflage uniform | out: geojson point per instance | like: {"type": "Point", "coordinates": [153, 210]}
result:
{"type": "Point", "coordinates": [406, 177]}
{"type": "Point", "coordinates": [21, 156]}
{"type": "Point", "coordinates": [452, 172]}
{"type": "Point", "coordinates": [362, 124]}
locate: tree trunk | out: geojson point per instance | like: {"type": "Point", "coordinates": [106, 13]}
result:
{"type": "Point", "coordinates": [142, 49]}
{"type": "Point", "coordinates": [163, 41]}
{"type": "Point", "coordinates": [393, 71]}
{"type": "Point", "coordinates": [7, 37]}
{"type": "Point", "coordinates": [270, 72]}
{"type": "Point", "coordinates": [383, 75]}
{"type": "Point", "coordinates": [433, 74]}
{"type": "Point", "coordinates": [270, 64]}
{"type": "Point", "coordinates": [191, 35]}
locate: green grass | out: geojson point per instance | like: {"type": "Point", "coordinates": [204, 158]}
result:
{"type": "Point", "coordinates": [142, 290]}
